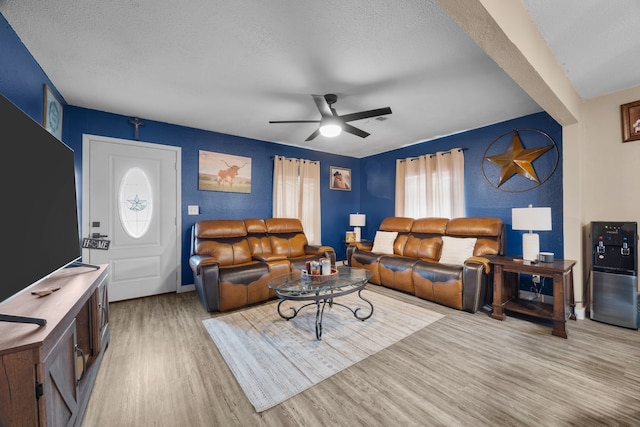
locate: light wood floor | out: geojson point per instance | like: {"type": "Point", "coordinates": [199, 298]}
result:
{"type": "Point", "coordinates": [163, 369]}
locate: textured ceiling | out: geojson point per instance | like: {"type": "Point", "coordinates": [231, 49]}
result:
{"type": "Point", "coordinates": [232, 66]}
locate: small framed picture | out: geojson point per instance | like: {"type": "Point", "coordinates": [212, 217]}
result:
{"type": "Point", "coordinates": [340, 178]}
{"type": "Point", "coordinates": [52, 117]}
{"type": "Point", "coordinates": [350, 237]}
{"type": "Point", "coordinates": [630, 121]}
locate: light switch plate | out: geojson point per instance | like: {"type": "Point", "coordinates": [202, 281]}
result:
{"type": "Point", "coordinates": [193, 210]}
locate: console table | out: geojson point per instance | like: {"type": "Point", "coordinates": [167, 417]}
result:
{"type": "Point", "coordinates": [507, 270]}
{"type": "Point", "coordinates": [48, 371]}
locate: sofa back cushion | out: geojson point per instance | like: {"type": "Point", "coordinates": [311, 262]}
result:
{"type": "Point", "coordinates": [223, 239]}
{"type": "Point", "coordinates": [400, 224]}
{"type": "Point", "coordinates": [425, 239]}
{"type": "Point", "coordinates": [286, 236]}
{"type": "Point", "coordinates": [396, 223]}
{"type": "Point", "coordinates": [259, 243]}
{"type": "Point", "coordinates": [219, 228]}
{"type": "Point", "coordinates": [283, 225]}
{"type": "Point", "coordinates": [488, 231]}
{"type": "Point", "coordinates": [232, 251]}
{"type": "Point", "coordinates": [430, 226]}
{"type": "Point", "coordinates": [422, 246]}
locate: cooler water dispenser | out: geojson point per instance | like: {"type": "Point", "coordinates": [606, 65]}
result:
{"type": "Point", "coordinates": [614, 274]}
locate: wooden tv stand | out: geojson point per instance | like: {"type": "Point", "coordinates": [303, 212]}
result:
{"type": "Point", "coordinates": [47, 372]}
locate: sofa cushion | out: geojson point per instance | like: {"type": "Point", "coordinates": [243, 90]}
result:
{"type": "Point", "coordinates": [259, 243]}
{"type": "Point", "coordinates": [423, 247]}
{"type": "Point", "coordinates": [227, 252]}
{"type": "Point", "coordinates": [455, 250]}
{"type": "Point", "coordinates": [396, 223]}
{"type": "Point", "coordinates": [383, 242]}
{"type": "Point", "coordinates": [283, 225]}
{"type": "Point", "coordinates": [220, 228]}
{"type": "Point", "coordinates": [487, 230]}
{"type": "Point", "coordinates": [432, 226]}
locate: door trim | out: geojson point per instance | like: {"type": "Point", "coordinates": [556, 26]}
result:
{"type": "Point", "coordinates": [84, 223]}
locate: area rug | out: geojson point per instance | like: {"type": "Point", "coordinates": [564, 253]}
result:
{"type": "Point", "coordinates": [274, 359]}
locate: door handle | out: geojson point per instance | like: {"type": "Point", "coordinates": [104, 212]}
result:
{"type": "Point", "coordinates": [98, 236]}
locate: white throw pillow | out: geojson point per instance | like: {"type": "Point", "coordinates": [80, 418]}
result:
{"type": "Point", "coordinates": [455, 250]}
{"type": "Point", "coordinates": [383, 242]}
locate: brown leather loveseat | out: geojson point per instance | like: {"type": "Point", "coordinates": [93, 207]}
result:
{"type": "Point", "coordinates": [414, 263]}
{"type": "Point", "coordinates": [232, 260]}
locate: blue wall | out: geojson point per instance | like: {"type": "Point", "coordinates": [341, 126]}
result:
{"type": "Point", "coordinates": [481, 198]}
{"type": "Point", "coordinates": [336, 205]}
{"type": "Point", "coordinates": [373, 186]}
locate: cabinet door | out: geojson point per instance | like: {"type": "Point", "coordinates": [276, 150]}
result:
{"type": "Point", "coordinates": [18, 405]}
{"type": "Point", "coordinates": [104, 307]}
{"type": "Point", "coordinates": [60, 385]}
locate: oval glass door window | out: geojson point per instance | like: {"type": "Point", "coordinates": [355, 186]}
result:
{"type": "Point", "coordinates": [135, 200]}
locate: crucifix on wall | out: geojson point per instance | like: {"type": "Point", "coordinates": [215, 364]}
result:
{"type": "Point", "coordinates": [136, 122]}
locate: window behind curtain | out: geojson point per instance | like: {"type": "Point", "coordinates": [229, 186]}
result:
{"type": "Point", "coordinates": [431, 185]}
{"type": "Point", "coordinates": [296, 194]}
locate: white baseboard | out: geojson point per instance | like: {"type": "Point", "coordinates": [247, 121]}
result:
{"type": "Point", "coordinates": [186, 288]}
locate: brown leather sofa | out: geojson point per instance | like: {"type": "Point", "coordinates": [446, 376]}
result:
{"type": "Point", "coordinates": [232, 260]}
{"type": "Point", "coordinates": [415, 267]}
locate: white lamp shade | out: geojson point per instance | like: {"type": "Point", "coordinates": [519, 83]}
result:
{"type": "Point", "coordinates": [538, 219]}
{"type": "Point", "coordinates": [357, 220]}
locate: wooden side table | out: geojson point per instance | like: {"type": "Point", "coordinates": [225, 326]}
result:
{"type": "Point", "coordinates": [507, 270]}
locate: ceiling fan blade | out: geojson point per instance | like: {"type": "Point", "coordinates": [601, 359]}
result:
{"type": "Point", "coordinates": [354, 130]}
{"type": "Point", "coordinates": [313, 135]}
{"type": "Point", "coordinates": [323, 107]}
{"type": "Point", "coordinates": [366, 114]}
{"type": "Point", "coordinates": [294, 121]}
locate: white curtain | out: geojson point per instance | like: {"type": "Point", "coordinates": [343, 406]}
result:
{"type": "Point", "coordinates": [296, 194]}
{"type": "Point", "coordinates": [431, 185]}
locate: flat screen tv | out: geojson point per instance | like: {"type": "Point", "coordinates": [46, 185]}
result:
{"type": "Point", "coordinates": [40, 214]}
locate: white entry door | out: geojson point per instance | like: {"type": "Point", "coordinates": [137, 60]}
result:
{"type": "Point", "coordinates": [131, 193]}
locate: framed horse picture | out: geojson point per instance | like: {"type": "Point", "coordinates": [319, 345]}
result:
{"type": "Point", "coordinates": [224, 172]}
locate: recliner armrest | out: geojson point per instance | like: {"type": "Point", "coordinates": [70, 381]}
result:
{"type": "Point", "coordinates": [480, 260]}
{"type": "Point", "coordinates": [197, 262]}
{"type": "Point", "coordinates": [317, 249]}
{"type": "Point", "coordinates": [266, 257]}
{"type": "Point", "coordinates": [320, 250]}
{"type": "Point", "coordinates": [363, 246]}
{"type": "Point", "coordinates": [474, 279]}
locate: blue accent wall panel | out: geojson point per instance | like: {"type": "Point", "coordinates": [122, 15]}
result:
{"type": "Point", "coordinates": [481, 198]}
{"type": "Point", "coordinates": [336, 205]}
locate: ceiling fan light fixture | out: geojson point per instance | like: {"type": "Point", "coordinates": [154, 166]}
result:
{"type": "Point", "coordinates": [330, 130]}
{"type": "Point", "coordinates": [330, 127]}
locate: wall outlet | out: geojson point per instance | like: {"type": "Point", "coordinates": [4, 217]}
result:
{"type": "Point", "coordinates": [193, 210]}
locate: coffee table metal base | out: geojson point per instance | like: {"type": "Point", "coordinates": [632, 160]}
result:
{"type": "Point", "coordinates": [321, 300]}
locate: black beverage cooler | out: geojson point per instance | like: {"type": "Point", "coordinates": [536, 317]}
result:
{"type": "Point", "coordinates": [614, 274]}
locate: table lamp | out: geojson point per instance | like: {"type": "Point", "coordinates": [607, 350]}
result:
{"type": "Point", "coordinates": [538, 219]}
{"type": "Point", "coordinates": [357, 220]}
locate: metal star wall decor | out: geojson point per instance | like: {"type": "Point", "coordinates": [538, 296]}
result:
{"type": "Point", "coordinates": [518, 160]}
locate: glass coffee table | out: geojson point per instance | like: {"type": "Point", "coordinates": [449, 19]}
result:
{"type": "Point", "coordinates": [321, 291]}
